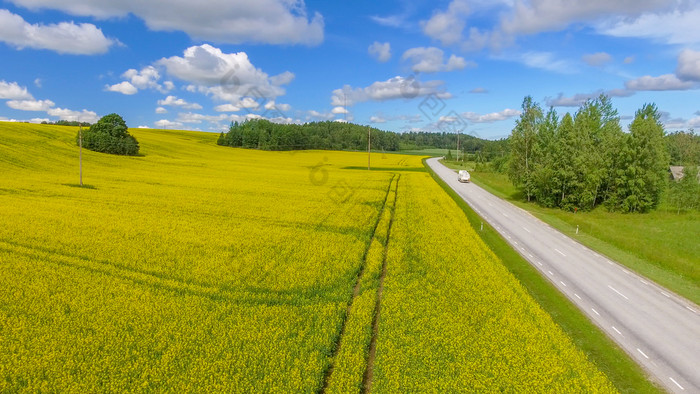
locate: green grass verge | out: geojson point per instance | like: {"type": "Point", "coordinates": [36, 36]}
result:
{"type": "Point", "coordinates": [625, 374]}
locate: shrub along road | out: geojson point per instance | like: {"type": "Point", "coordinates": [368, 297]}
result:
{"type": "Point", "coordinates": [659, 329]}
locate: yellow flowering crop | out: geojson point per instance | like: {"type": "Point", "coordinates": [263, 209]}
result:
{"type": "Point", "coordinates": [201, 268]}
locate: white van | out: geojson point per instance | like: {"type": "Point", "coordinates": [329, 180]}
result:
{"type": "Point", "coordinates": [463, 176]}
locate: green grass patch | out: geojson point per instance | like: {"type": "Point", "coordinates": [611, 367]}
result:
{"type": "Point", "coordinates": [625, 374]}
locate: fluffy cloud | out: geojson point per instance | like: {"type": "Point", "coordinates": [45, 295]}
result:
{"type": "Point", "coordinates": [233, 22]}
{"type": "Point", "coordinates": [597, 59]}
{"type": "Point", "coordinates": [669, 20]}
{"type": "Point", "coordinates": [447, 26]}
{"type": "Point", "coordinates": [391, 89]}
{"type": "Point", "coordinates": [73, 116]}
{"type": "Point", "coordinates": [313, 114]}
{"type": "Point", "coordinates": [227, 108]}
{"type": "Point", "coordinates": [377, 119]}
{"type": "Point", "coordinates": [431, 59]}
{"type": "Point", "coordinates": [226, 76]}
{"type": "Point", "coordinates": [545, 61]}
{"type": "Point", "coordinates": [167, 124]}
{"type": "Point", "coordinates": [12, 91]}
{"type": "Point", "coordinates": [178, 102]}
{"type": "Point", "coordinates": [492, 117]}
{"type": "Point", "coordinates": [678, 26]}
{"type": "Point", "coordinates": [64, 37]}
{"type": "Point", "coordinates": [123, 88]}
{"type": "Point", "coordinates": [31, 105]}
{"type": "Point", "coordinates": [580, 98]}
{"type": "Point", "coordinates": [380, 51]}
{"type": "Point", "coordinates": [161, 110]}
{"type": "Point", "coordinates": [662, 82]}
{"type": "Point", "coordinates": [689, 65]}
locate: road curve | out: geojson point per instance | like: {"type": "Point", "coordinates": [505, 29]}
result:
{"type": "Point", "coordinates": [657, 328]}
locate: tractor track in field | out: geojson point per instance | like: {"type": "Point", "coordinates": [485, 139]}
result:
{"type": "Point", "coordinates": [369, 371]}
{"type": "Point", "coordinates": [358, 280]}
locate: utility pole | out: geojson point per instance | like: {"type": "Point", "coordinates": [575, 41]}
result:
{"type": "Point", "coordinates": [459, 151]}
{"type": "Point", "coordinates": [369, 146]}
{"type": "Point", "coordinates": [80, 139]}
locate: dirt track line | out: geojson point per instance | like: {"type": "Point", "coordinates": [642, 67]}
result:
{"type": "Point", "coordinates": [369, 372]}
{"type": "Point", "coordinates": [356, 289]}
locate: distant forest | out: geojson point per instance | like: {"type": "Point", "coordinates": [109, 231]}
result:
{"type": "Point", "coordinates": [263, 134]}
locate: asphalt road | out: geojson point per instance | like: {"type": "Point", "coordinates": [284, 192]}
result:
{"type": "Point", "coordinates": [657, 328]}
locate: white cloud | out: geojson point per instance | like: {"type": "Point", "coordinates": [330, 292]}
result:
{"type": "Point", "coordinates": [272, 105]}
{"type": "Point", "coordinates": [674, 21]}
{"type": "Point", "coordinates": [492, 117]}
{"type": "Point", "coordinates": [431, 59]}
{"type": "Point", "coordinates": [226, 108]}
{"type": "Point", "coordinates": [39, 120]}
{"type": "Point", "coordinates": [679, 26]}
{"type": "Point", "coordinates": [167, 124]}
{"type": "Point", "coordinates": [226, 76]}
{"type": "Point", "coordinates": [12, 91]}
{"type": "Point", "coordinates": [64, 37]}
{"type": "Point", "coordinates": [199, 118]}
{"type": "Point", "coordinates": [233, 22]}
{"type": "Point", "coordinates": [143, 127]}
{"type": "Point", "coordinates": [597, 59]}
{"type": "Point", "coordinates": [339, 110]}
{"type": "Point", "coordinates": [319, 115]}
{"type": "Point", "coordinates": [71, 116]}
{"type": "Point", "coordinates": [31, 105]}
{"type": "Point", "coordinates": [380, 51]}
{"type": "Point", "coordinates": [146, 78]}
{"type": "Point", "coordinates": [629, 60]}
{"type": "Point", "coordinates": [552, 15]}
{"type": "Point", "coordinates": [178, 102]}
{"type": "Point", "coordinates": [580, 98]}
{"type": "Point", "coordinates": [123, 88]}
{"type": "Point", "coordinates": [689, 65]}
{"type": "Point", "coordinates": [391, 89]}
{"type": "Point", "coordinates": [546, 61]}
{"type": "Point", "coordinates": [662, 82]}
{"type": "Point", "coordinates": [37, 82]}
{"type": "Point", "coordinates": [478, 90]}
{"type": "Point", "coordinates": [447, 26]}
{"type": "Point", "coordinates": [377, 119]}
{"type": "Point", "coordinates": [161, 110]}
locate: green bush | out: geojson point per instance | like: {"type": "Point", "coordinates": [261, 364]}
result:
{"type": "Point", "coordinates": [110, 135]}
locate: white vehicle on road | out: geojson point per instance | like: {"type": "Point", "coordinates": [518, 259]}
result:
{"type": "Point", "coordinates": [464, 176]}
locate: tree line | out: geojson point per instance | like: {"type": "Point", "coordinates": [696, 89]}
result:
{"type": "Point", "coordinates": [266, 135]}
{"type": "Point", "coordinates": [263, 134]}
{"type": "Point", "coordinates": [586, 159]}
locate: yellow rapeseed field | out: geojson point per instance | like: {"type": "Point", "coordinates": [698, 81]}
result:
{"type": "Point", "coordinates": [200, 268]}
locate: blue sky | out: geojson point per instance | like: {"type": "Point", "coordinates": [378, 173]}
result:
{"type": "Point", "coordinates": [396, 65]}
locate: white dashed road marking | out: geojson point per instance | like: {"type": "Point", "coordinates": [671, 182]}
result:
{"type": "Point", "coordinates": [622, 295]}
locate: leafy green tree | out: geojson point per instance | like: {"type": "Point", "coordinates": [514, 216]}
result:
{"type": "Point", "coordinates": [643, 167]}
{"type": "Point", "coordinates": [523, 140]}
{"type": "Point", "coordinates": [564, 172]}
{"type": "Point", "coordinates": [684, 148]}
{"type": "Point", "coordinates": [544, 165]}
{"type": "Point", "coordinates": [684, 194]}
{"type": "Point", "coordinates": [110, 135]}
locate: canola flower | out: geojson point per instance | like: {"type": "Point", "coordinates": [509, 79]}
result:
{"type": "Point", "coordinates": [200, 268]}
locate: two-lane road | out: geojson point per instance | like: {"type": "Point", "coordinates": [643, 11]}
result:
{"type": "Point", "coordinates": [657, 328]}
